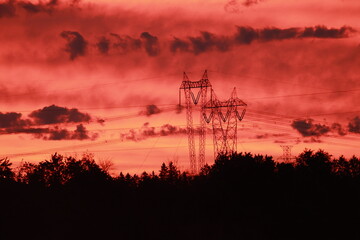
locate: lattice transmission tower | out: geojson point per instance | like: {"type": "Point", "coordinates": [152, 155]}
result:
{"type": "Point", "coordinates": [191, 99]}
{"type": "Point", "coordinates": [286, 157]}
{"type": "Point", "coordinates": [224, 116]}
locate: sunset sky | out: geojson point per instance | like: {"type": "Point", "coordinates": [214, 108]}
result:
{"type": "Point", "coordinates": [103, 76]}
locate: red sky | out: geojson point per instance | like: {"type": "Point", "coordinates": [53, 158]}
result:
{"type": "Point", "coordinates": [98, 65]}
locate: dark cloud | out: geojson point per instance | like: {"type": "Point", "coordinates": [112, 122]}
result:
{"type": "Point", "coordinates": [337, 128]}
{"type": "Point", "coordinates": [179, 45]}
{"type": "Point", "coordinates": [150, 110]}
{"type": "Point", "coordinates": [12, 119]}
{"type": "Point", "coordinates": [7, 9]}
{"type": "Point", "coordinates": [76, 44]}
{"type": "Point", "coordinates": [324, 32]}
{"type": "Point", "coordinates": [271, 34]}
{"type": "Point", "coordinates": [354, 125]}
{"type": "Point", "coordinates": [13, 123]}
{"type": "Point", "coordinates": [307, 128]}
{"type": "Point", "coordinates": [101, 121]}
{"type": "Point", "coordinates": [232, 6]}
{"type": "Point", "coordinates": [248, 3]}
{"type": "Point", "coordinates": [147, 131]}
{"type": "Point", "coordinates": [55, 133]}
{"type": "Point", "coordinates": [48, 115]}
{"type": "Point", "coordinates": [209, 41]}
{"type": "Point", "coordinates": [151, 44]}
{"type": "Point", "coordinates": [55, 114]}
{"type": "Point", "coordinates": [33, 8]}
{"type": "Point", "coordinates": [168, 129]}
{"type": "Point", "coordinates": [267, 135]}
{"type": "Point", "coordinates": [312, 140]}
{"type": "Point", "coordinates": [25, 129]}
{"type": "Point", "coordinates": [103, 45]}
{"type": "Point", "coordinates": [246, 35]}
{"type": "Point", "coordinates": [125, 43]}
{"type": "Point", "coordinates": [203, 43]}
{"type": "Point", "coordinates": [80, 133]}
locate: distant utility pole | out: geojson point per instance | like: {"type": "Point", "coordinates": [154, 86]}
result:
{"type": "Point", "coordinates": [286, 157]}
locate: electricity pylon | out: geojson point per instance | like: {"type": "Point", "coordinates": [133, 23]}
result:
{"type": "Point", "coordinates": [203, 84]}
{"type": "Point", "coordinates": [224, 116]}
{"type": "Point", "coordinates": [286, 157]}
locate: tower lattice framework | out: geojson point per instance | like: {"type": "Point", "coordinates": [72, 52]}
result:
{"type": "Point", "coordinates": [286, 157]}
{"type": "Point", "coordinates": [224, 116]}
{"type": "Point", "coordinates": [191, 99]}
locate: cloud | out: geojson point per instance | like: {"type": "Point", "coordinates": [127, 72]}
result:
{"type": "Point", "coordinates": [7, 9]}
{"type": "Point", "coordinates": [312, 140]}
{"type": "Point", "coordinates": [248, 3]}
{"type": "Point", "coordinates": [272, 34]}
{"type": "Point", "coordinates": [151, 44]}
{"type": "Point", "coordinates": [39, 7]}
{"type": "Point", "coordinates": [246, 35]}
{"type": "Point", "coordinates": [76, 44]}
{"type": "Point", "coordinates": [13, 123]}
{"type": "Point", "coordinates": [267, 135]}
{"type": "Point", "coordinates": [10, 7]}
{"type": "Point", "coordinates": [338, 128]}
{"type": "Point", "coordinates": [80, 133]}
{"type": "Point", "coordinates": [101, 121]}
{"type": "Point", "coordinates": [324, 32]}
{"type": "Point", "coordinates": [55, 114]}
{"type": "Point", "coordinates": [103, 45]}
{"type": "Point", "coordinates": [48, 115]}
{"type": "Point", "coordinates": [33, 52]}
{"type": "Point", "coordinates": [179, 45]}
{"type": "Point", "coordinates": [354, 125]}
{"type": "Point", "coordinates": [147, 131]}
{"type": "Point", "coordinates": [125, 43]}
{"type": "Point", "coordinates": [307, 128]}
{"type": "Point", "coordinates": [12, 119]}
{"type": "Point", "coordinates": [54, 133]}
{"type": "Point", "coordinates": [150, 110]}
{"type": "Point", "coordinates": [208, 41]}
{"type": "Point", "coordinates": [233, 6]}
{"type": "Point", "coordinates": [24, 129]}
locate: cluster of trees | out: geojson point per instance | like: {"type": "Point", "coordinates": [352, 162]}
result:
{"type": "Point", "coordinates": [241, 196]}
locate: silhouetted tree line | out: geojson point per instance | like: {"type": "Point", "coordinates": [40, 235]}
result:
{"type": "Point", "coordinates": [241, 196]}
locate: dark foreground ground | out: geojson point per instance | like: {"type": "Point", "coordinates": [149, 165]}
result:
{"type": "Point", "coordinates": [242, 196]}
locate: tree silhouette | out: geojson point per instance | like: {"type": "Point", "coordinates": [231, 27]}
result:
{"type": "Point", "coordinates": [354, 167]}
{"type": "Point", "coordinates": [314, 164]}
{"type": "Point", "coordinates": [60, 170]}
{"type": "Point", "coordinates": [6, 173]}
{"type": "Point", "coordinates": [240, 196]}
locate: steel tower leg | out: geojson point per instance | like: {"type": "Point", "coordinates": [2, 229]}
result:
{"type": "Point", "coordinates": [190, 131]}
